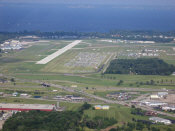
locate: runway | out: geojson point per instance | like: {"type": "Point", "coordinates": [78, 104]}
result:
{"type": "Point", "coordinates": [58, 53]}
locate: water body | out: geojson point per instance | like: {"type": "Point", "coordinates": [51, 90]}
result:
{"type": "Point", "coordinates": [45, 17]}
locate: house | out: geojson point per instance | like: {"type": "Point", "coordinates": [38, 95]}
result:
{"type": "Point", "coordinates": [160, 120]}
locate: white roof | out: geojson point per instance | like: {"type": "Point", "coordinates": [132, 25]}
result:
{"type": "Point", "coordinates": [168, 108]}
{"type": "Point", "coordinates": [24, 94]}
{"type": "Point", "coordinates": [158, 119]}
{"type": "Point", "coordinates": [162, 93]}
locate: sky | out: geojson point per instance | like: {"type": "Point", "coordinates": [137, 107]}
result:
{"type": "Point", "coordinates": [115, 2]}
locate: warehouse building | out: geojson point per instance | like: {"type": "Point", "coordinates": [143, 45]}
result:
{"type": "Point", "coordinates": [27, 107]}
{"type": "Point", "coordinates": [160, 120]}
{"type": "Point", "coordinates": [154, 97]}
{"type": "Point", "coordinates": [168, 108]}
{"type": "Point", "coordinates": [162, 94]}
{"type": "Point", "coordinates": [155, 104]}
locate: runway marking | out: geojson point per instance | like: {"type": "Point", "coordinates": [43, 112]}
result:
{"type": "Point", "coordinates": [58, 53]}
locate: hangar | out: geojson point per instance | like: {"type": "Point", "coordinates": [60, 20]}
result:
{"type": "Point", "coordinates": [27, 107]}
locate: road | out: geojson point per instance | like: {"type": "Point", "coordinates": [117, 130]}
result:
{"type": "Point", "coordinates": [98, 97]}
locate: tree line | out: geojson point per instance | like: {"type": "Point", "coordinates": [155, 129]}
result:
{"type": "Point", "coordinates": [140, 66]}
{"type": "Point", "coordinates": [115, 34]}
{"type": "Point", "coordinates": [56, 121]}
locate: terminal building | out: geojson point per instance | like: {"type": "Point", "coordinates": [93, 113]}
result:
{"type": "Point", "coordinates": [27, 107]}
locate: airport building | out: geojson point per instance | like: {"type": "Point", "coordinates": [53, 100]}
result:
{"type": "Point", "coordinates": [27, 107]}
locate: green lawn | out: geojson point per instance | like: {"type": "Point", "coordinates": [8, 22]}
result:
{"type": "Point", "coordinates": [97, 80]}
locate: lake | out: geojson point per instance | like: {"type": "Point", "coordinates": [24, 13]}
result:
{"type": "Point", "coordinates": [102, 18]}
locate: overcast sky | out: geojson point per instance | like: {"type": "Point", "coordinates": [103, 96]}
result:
{"type": "Point", "coordinates": [116, 2]}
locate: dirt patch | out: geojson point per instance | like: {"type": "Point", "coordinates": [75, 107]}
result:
{"type": "Point", "coordinates": [169, 99]}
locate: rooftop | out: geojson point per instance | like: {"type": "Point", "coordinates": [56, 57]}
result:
{"type": "Point", "coordinates": [158, 119]}
{"type": "Point", "coordinates": [27, 106]}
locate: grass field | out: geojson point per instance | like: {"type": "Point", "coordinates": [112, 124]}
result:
{"type": "Point", "coordinates": [95, 80]}
{"type": "Point", "coordinates": [21, 65]}
{"type": "Point", "coordinates": [24, 60]}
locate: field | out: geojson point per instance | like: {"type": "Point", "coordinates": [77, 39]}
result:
{"type": "Point", "coordinates": [81, 69]}
{"type": "Point", "coordinates": [83, 64]}
{"type": "Point", "coordinates": [24, 60]}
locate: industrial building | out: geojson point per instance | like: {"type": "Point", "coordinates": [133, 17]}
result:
{"type": "Point", "coordinates": [155, 104]}
{"type": "Point", "coordinates": [162, 94]}
{"type": "Point", "coordinates": [27, 107]}
{"type": "Point", "coordinates": [70, 98]}
{"type": "Point", "coordinates": [154, 97]}
{"type": "Point", "coordinates": [160, 120]}
{"type": "Point", "coordinates": [159, 95]}
{"type": "Point", "coordinates": [77, 98]}
{"type": "Point", "coordinates": [167, 108]}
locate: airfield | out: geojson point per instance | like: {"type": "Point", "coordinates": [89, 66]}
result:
{"type": "Point", "coordinates": [84, 62]}
{"type": "Point", "coordinates": [77, 69]}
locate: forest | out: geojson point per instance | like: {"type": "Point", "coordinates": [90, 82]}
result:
{"type": "Point", "coordinates": [140, 66]}
{"type": "Point", "coordinates": [55, 121]}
